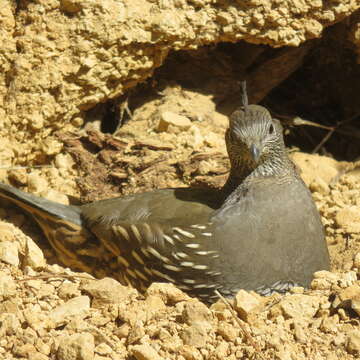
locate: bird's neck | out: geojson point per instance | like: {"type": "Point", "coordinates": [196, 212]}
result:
{"type": "Point", "coordinates": [279, 167]}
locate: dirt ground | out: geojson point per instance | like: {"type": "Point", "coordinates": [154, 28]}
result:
{"type": "Point", "coordinates": [175, 139]}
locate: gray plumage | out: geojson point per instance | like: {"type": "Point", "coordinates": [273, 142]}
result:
{"type": "Point", "coordinates": [261, 231]}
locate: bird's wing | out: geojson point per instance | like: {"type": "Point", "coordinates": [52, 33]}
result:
{"type": "Point", "coordinates": [158, 236]}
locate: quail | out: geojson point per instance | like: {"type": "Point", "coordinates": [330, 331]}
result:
{"type": "Point", "coordinates": [261, 231]}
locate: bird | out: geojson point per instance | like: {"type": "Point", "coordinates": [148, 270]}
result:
{"type": "Point", "coordinates": [261, 231]}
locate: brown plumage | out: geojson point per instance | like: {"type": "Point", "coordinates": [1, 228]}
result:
{"type": "Point", "coordinates": [261, 231]}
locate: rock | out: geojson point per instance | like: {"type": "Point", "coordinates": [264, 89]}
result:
{"type": "Point", "coordinates": [7, 286]}
{"type": "Point", "coordinates": [24, 350]}
{"type": "Point", "coordinates": [108, 291]}
{"type": "Point", "coordinates": [51, 146]}
{"type": "Point", "coordinates": [344, 297]}
{"type": "Point", "coordinates": [247, 305]}
{"type": "Point", "coordinates": [227, 331]}
{"type": "Point", "coordinates": [353, 342]}
{"type": "Point", "coordinates": [169, 293]}
{"type": "Point", "coordinates": [299, 333]}
{"type": "Point", "coordinates": [329, 324]}
{"type": "Point", "coordinates": [299, 306]}
{"type": "Point", "coordinates": [9, 324]}
{"type": "Point", "coordinates": [145, 352]}
{"type": "Point", "coordinates": [320, 186]}
{"type": "Point", "coordinates": [195, 335]}
{"type": "Point", "coordinates": [191, 353]}
{"type": "Point", "coordinates": [173, 120]}
{"type": "Point", "coordinates": [9, 253]}
{"type": "Point", "coordinates": [78, 306]}
{"type": "Point", "coordinates": [136, 332]}
{"type": "Point", "coordinates": [349, 219]}
{"type": "Point", "coordinates": [222, 350]}
{"type": "Point", "coordinates": [196, 312]}
{"type": "Point", "coordinates": [68, 290]}
{"type": "Point", "coordinates": [315, 166]}
{"type": "Point", "coordinates": [103, 349]}
{"type": "Point", "coordinates": [34, 257]}
{"type": "Point", "coordinates": [326, 280]}
{"type": "Point", "coordinates": [76, 347]}
{"type": "Point", "coordinates": [36, 183]}
{"type": "Point", "coordinates": [55, 196]}
{"type": "Point", "coordinates": [214, 140]}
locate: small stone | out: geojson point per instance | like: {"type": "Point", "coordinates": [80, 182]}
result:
{"type": "Point", "coordinates": [169, 293]}
{"type": "Point", "coordinates": [299, 306]}
{"type": "Point", "coordinates": [64, 161]}
{"type": "Point", "coordinates": [45, 291]}
{"type": "Point", "coordinates": [227, 331]}
{"type": "Point", "coordinates": [34, 257]}
{"type": "Point", "coordinates": [68, 290]}
{"type": "Point", "coordinates": [320, 186]}
{"type": "Point", "coordinates": [18, 177]}
{"type": "Point", "coordinates": [51, 146]}
{"type": "Point", "coordinates": [36, 183]}
{"type": "Point", "coordinates": [9, 253]}
{"type": "Point", "coordinates": [108, 291]}
{"type": "Point", "coordinates": [24, 350]}
{"type": "Point", "coordinates": [78, 306]}
{"type": "Point", "coordinates": [346, 296]}
{"type": "Point", "coordinates": [37, 356]}
{"type": "Point", "coordinates": [329, 324]}
{"type": "Point", "coordinates": [349, 219]}
{"type": "Point", "coordinates": [339, 339]}
{"type": "Point", "coordinates": [191, 353]}
{"type": "Point", "coordinates": [136, 333]}
{"type": "Point", "coordinates": [299, 333]}
{"type": "Point", "coordinates": [196, 312]}
{"type": "Point", "coordinates": [7, 286]}
{"type": "Point", "coordinates": [155, 303]}
{"type": "Point", "coordinates": [214, 140]}
{"type": "Point", "coordinates": [195, 335]}
{"type": "Point", "coordinates": [353, 342]}
{"type": "Point", "coordinates": [56, 196]}
{"type": "Point", "coordinates": [76, 347]}
{"type": "Point", "coordinates": [168, 118]}
{"type": "Point", "coordinates": [247, 305]}
{"type": "Point", "coordinates": [9, 324]}
{"type": "Point", "coordinates": [145, 352]}
{"type": "Point", "coordinates": [103, 349]}
{"type": "Point", "coordinates": [123, 331]}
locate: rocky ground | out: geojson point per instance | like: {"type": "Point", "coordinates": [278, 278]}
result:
{"type": "Point", "coordinates": [176, 139]}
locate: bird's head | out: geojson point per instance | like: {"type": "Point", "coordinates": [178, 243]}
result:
{"type": "Point", "coordinates": [253, 137]}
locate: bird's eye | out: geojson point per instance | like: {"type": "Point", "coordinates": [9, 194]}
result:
{"type": "Point", "coordinates": [271, 129]}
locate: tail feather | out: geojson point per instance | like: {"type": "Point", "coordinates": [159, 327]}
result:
{"type": "Point", "coordinates": [38, 205]}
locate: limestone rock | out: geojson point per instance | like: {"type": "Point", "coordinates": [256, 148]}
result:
{"type": "Point", "coordinates": [76, 347]}
{"type": "Point", "coordinates": [78, 306]}
{"type": "Point", "coordinates": [108, 291]}
{"type": "Point", "coordinates": [247, 305]}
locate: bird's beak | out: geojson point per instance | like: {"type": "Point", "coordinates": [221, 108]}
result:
{"type": "Point", "coordinates": [255, 152]}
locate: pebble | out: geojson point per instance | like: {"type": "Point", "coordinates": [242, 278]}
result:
{"type": "Point", "coordinates": [247, 305]}
{"type": "Point", "coordinates": [169, 293]}
{"type": "Point", "coordinates": [172, 121]}
{"type": "Point", "coordinates": [353, 342]}
{"type": "Point", "coordinates": [145, 352]}
{"type": "Point", "coordinates": [9, 252]}
{"type": "Point", "coordinates": [78, 306]}
{"type": "Point", "coordinates": [76, 347]}
{"type": "Point", "coordinates": [108, 291]}
{"type": "Point", "coordinates": [348, 219]}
